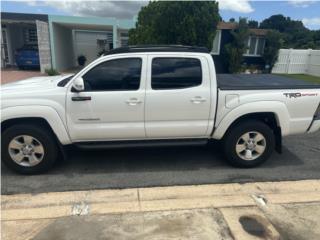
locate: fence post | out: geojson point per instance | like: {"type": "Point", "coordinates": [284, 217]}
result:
{"type": "Point", "coordinates": [289, 61]}
{"type": "Point", "coordinates": [308, 60]}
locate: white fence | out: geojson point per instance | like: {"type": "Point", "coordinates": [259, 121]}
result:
{"type": "Point", "coordinates": [295, 61]}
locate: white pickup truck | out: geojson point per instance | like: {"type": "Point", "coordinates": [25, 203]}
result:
{"type": "Point", "coordinates": [149, 96]}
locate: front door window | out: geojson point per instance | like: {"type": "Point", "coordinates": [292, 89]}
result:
{"type": "Point", "coordinates": [114, 75]}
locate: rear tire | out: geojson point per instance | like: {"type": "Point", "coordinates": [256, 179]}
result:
{"type": "Point", "coordinates": [249, 144]}
{"type": "Point", "coordinates": [28, 149]}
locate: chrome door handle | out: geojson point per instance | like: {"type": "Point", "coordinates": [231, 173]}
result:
{"type": "Point", "coordinates": [81, 98]}
{"type": "Point", "coordinates": [198, 100]}
{"type": "Point", "coordinates": [133, 101]}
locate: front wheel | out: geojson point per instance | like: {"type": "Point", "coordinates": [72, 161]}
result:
{"type": "Point", "coordinates": [249, 144]}
{"type": "Point", "coordinates": [28, 149]}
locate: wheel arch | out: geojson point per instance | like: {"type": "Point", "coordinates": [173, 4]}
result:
{"type": "Point", "coordinates": [273, 113]}
{"type": "Point", "coordinates": [35, 115]}
{"type": "Point", "coordinates": [269, 118]}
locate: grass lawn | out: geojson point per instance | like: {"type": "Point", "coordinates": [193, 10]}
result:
{"type": "Point", "coordinates": [307, 78]}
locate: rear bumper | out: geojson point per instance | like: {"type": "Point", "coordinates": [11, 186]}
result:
{"type": "Point", "coordinates": [25, 62]}
{"type": "Point", "coordinates": [315, 126]}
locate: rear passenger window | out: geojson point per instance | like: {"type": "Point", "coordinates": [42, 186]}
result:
{"type": "Point", "coordinates": [175, 73]}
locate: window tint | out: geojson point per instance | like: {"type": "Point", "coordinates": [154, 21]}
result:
{"type": "Point", "coordinates": [173, 73]}
{"type": "Point", "coordinates": [114, 75]}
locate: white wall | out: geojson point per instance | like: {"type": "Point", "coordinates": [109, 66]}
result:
{"type": "Point", "coordinates": [44, 45]}
{"type": "Point", "coordinates": [63, 47]}
{"type": "Point", "coordinates": [298, 61]}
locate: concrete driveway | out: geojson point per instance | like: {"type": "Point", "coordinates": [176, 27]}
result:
{"type": "Point", "coordinates": [124, 168]}
{"type": "Point", "coordinates": [11, 75]}
{"type": "Point", "coordinates": [287, 210]}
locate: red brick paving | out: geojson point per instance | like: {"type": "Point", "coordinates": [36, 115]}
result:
{"type": "Point", "coordinates": [15, 75]}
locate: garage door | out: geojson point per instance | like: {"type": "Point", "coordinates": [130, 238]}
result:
{"type": "Point", "coordinates": [90, 44]}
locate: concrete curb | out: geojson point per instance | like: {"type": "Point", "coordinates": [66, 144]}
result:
{"type": "Point", "coordinates": [95, 202]}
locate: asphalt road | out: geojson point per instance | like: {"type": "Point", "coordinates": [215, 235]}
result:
{"type": "Point", "coordinates": [124, 168]}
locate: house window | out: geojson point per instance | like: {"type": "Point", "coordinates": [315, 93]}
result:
{"type": "Point", "coordinates": [124, 38]}
{"type": "Point", "coordinates": [110, 37]}
{"type": "Point", "coordinates": [216, 43]}
{"type": "Point", "coordinates": [255, 46]}
{"type": "Point", "coordinates": [30, 36]}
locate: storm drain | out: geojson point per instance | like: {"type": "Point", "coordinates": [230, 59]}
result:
{"type": "Point", "coordinates": [252, 226]}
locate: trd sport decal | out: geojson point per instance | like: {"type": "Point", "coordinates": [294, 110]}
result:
{"type": "Point", "coordinates": [296, 95]}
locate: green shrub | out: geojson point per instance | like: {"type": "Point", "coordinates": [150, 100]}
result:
{"type": "Point", "coordinates": [51, 71]}
{"type": "Point", "coordinates": [274, 41]}
{"type": "Point", "coordinates": [232, 52]}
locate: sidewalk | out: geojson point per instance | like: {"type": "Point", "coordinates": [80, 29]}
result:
{"type": "Point", "coordinates": [271, 210]}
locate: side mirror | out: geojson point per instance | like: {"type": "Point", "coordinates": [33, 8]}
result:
{"type": "Point", "coordinates": [78, 84]}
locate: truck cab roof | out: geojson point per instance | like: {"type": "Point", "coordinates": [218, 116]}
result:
{"type": "Point", "coordinates": [157, 48]}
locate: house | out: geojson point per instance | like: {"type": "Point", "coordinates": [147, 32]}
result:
{"type": "Point", "coordinates": [255, 43]}
{"type": "Point", "coordinates": [61, 39]}
{"type": "Point", "coordinates": [19, 29]}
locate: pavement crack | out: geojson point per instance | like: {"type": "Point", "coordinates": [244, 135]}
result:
{"type": "Point", "coordinates": [139, 201]}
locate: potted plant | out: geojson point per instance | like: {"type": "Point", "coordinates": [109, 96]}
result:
{"type": "Point", "coordinates": [82, 60]}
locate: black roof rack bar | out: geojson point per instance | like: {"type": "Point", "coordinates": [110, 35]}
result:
{"type": "Point", "coordinates": [157, 48]}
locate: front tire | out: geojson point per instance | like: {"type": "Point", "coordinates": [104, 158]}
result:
{"type": "Point", "coordinates": [249, 144]}
{"type": "Point", "coordinates": [28, 149]}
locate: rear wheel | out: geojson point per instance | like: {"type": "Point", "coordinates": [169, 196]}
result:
{"type": "Point", "coordinates": [249, 144]}
{"type": "Point", "coordinates": [28, 149]}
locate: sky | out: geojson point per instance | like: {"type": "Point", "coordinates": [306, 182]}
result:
{"type": "Point", "coordinates": [307, 11]}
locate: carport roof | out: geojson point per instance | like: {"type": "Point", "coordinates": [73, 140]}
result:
{"type": "Point", "coordinates": [23, 16]}
{"type": "Point", "coordinates": [93, 21]}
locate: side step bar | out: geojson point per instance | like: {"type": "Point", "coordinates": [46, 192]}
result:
{"type": "Point", "coordinates": [141, 143]}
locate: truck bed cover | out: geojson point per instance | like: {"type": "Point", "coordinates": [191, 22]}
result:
{"type": "Point", "coordinates": [261, 82]}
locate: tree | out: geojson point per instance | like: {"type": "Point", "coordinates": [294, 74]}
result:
{"type": "Point", "coordinates": [233, 51]}
{"type": "Point", "coordinates": [232, 20]}
{"type": "Point", "coordinates": [316, 39]}
{"type": "Point", "coordinates": [294, 33]}
{"type": "Point", "coordinates": [273, 43]}
{"type": "Point", "coordinates": [173, 22]}
{"type": "Point", "coordinates": [282, 24]}
{"type": "Point", "coordinates": [253, 24]}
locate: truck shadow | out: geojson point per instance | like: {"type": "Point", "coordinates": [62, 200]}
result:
{"type": "Point", "coordinates": [159, 159]}
{"type": "Point", "coordinates": [147, 167]}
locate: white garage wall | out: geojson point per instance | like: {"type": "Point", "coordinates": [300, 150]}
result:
{"type": "Point", "coordinates": [63, 47]}
{"type": "Point", "coordinates": [85, 43]}
{"type": "Point", "coordinates": [298, 61]}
